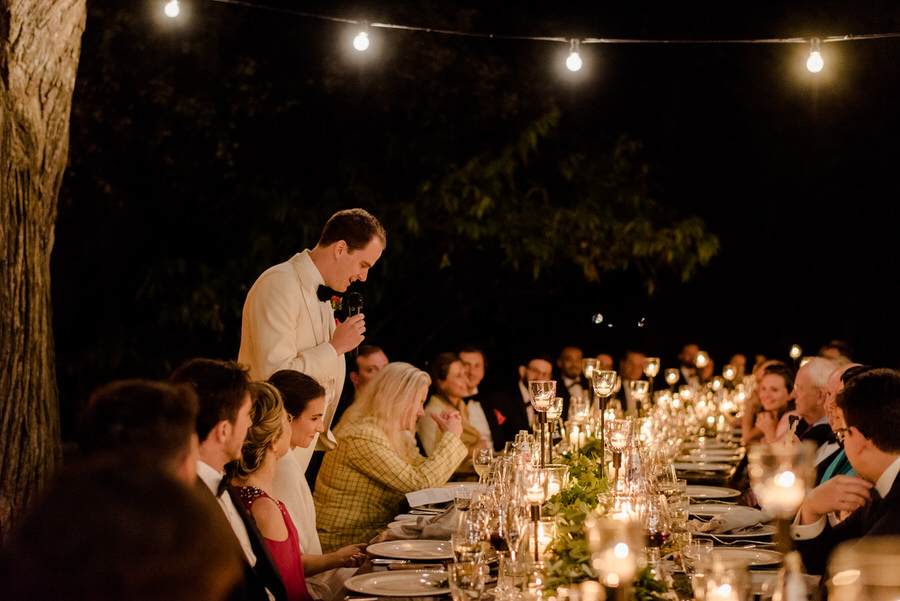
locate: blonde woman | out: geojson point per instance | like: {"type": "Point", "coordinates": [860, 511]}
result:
{"type": "Point", "coordinates": [362, 482]}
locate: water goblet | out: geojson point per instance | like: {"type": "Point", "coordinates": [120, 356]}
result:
{"type": "Point", "coordinates": [639, 391]}
{"type": "Point", "coordinates": [466, 581]}
{"type": "Point", "coordinates": [482, 460]}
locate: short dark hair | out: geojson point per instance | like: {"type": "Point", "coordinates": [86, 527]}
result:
{"type": "Point", "coordinates": [841, 346]}
{"type": "Point", "coordinates": [221, 388]}
{"type": "Point", "coordinates": [363, 350]}
{"type": "Point", "coordinates": [102, 530]}
{"type": "Point", "coordinates": [143, 418]}
{"type": "Point", "coordinates": [439, 368]}
{"type": "Point", "coordinates": [297, 389]}
{"type": "Point", "coordinates": [356, 227]}
{"type": "Point", "coordinates": [871, 403]}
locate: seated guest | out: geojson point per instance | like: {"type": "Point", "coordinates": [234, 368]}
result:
{"type": "Point", "coordinates": [449, 387]}
{"type": "Point", "coordinates": [509, 409]}
{"type": "Point", "coordinates": [832, 459]}
{"type": "Point", "coordinates": [870, 404]}
{"type": "Point", "coordinates": [363, 481]}
{"type": "Point", "coordinates": [775, 401]}
{"type": "Point", "coordinates": [631, 369]}
{"type": "Point", "coordinates": [268, 439]}
{"type": "Point", "coordinates": [570, 380]}
{"type": "Point", "coordinates": [223, 391]}
{"type": "Point", "coordinates": [304, 403]}
{"type": "Point", "coordinates": [474, 362]}
{"type": "Point", "coordinates": [105, 531]}
{"type": "Point", "coordinates": [752, 406]}
{"type": "Point", "coordinates": [147, 422]}
{"type": "Point", "coordinates": [809, 400]}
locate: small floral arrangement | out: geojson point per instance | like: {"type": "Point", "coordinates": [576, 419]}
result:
{"type": "Point", "coordinates": [336, 304]}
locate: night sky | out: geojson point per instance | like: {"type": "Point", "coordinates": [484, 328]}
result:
{"type": "Point", "coordinates": [795, 173]}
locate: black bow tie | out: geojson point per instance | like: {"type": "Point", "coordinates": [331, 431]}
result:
{"type": "Point", "coordinates": [223, 486]}
{"type": "Point", "coordinates": [325, 293]}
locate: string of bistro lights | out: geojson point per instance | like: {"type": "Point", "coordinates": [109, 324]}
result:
{"type": "Point", "coordinates": [814, 63]}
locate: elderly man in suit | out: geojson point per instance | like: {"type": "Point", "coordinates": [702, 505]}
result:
{"type": "Point", "coordinates": [870, 404]}
{"type": "Point", "coordinates": [288, 318]}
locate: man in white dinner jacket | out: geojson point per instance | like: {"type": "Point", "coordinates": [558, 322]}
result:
{"type": "Point", "coordinates": [285, 325]}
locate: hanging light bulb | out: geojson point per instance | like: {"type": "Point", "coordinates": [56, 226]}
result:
{"type": "Point", "coordinates": [815, 63]}
{"type": "Point", "coordinates": [361, 41]}
{"type": "Point", "coordinates": [573, 61]}
{"type": "Point", "coordinates": [172, 9]}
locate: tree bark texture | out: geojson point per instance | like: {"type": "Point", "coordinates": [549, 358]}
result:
{"type": "Point", "coordinates": [40, 42]}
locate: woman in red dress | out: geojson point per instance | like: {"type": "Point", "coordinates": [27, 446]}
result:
{"type": "Point", "coordinates": [267, 440]}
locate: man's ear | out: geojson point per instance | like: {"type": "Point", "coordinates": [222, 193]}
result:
{"type": "Point", "coordinates": [522, 371]}
{"type": "Point", "coordinates": [354, 377]}
{"type": "Point", "coordinates": [222, 430]}
{"type": "Point", "coordinates": [339, 248]}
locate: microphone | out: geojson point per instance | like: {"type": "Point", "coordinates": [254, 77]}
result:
{"type": "Point", "coordinates": [354, 306]}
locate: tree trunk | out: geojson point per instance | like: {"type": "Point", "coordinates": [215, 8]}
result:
{"type": "Point", "coordinates": [40, 41]}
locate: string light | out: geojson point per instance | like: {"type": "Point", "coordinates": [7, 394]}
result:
{"type": "Point", "coordinates": [573, 61]}
{"type": "Point", "coordinates": [361, 41]}
{"type": "Point", "coordinates": [172, 9]}
{"type": "Point", "coordinates": [814, 63]}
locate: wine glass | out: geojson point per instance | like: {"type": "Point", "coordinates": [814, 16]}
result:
{"type": "Point", "coordinates": [542, 394]}
{"type": "Point", "coordinates": [639, 391]}
{"type": "Point", "coordinates": [515, 523]}
{"type": "Point", "coordinates": [466, 581]}
{"type": "Point", "coordinates": [672, 377]}
{"type": "Point", "coordinates": [588, 365]}
{"type": "Point", "coordinates": [651, 367]}
{"type": "Point", "coordinates": [604, 384]}
{"type": "Point", "coordinates": [482, 460]}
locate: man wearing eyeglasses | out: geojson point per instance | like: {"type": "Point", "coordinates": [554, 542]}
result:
{"type": "Point", "coordinates": [870, 406]}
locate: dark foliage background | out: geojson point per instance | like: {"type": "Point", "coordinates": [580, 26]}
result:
{"type": "Point", "coordinates": [756, 202]}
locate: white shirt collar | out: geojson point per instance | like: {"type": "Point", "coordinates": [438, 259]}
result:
{"type": "Point", "coordinates": [887, 477]}
{"type": "Point", "coordinates": [210, 475]}
{"type": "Point", "coordinates": [306, 262]}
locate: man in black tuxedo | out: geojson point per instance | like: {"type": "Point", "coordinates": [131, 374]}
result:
{"type": "Point", "coordinates": [870, 404]}
{"type": "Point", "coordinates": [508, 410]}
{"type": "Point", "coordinates": [631, 368]}
{"type": "Point", "coordinates": [569, 376]}
{"type": "Point", "coordinates": [809, 400]}
{"type": "Point", "coordinates": [223, 392]}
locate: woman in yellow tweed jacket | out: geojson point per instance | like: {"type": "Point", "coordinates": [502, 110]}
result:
{"type": "Point", "coordinates": [362, 482]}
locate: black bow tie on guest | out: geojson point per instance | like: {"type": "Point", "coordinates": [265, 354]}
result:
{"type": "Point", "coordinates": [223, 486]}
{"type": "Point", "coordinates": [325, 293]}
{"type": "Point", "coordinates": [819, 434]}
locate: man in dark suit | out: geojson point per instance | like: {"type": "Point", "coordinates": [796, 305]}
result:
{"type": "Point", "coordinates": [223, 392]}
{"type": "Point", "coordinates": [631, 368]}
{"type": "Point", "coordinates": [870, 404]}
{"type": "Point", "coordinates": [508, 410]}
{"type": "Point", "coordinates": [569, 376]}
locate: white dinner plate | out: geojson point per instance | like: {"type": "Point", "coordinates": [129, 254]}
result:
{"type": "Point", "coordinates": [752, 557]}
{"type": "Point", "coordinates": [703, 467]}
{"type": "Point", "coordinates": [714, 509]}
{"type": "Point", "coordinates": [400, 583]}
{"type": "Point", "coordinates": [696, 491]}
{"type": "Point", "coordinates": [465, 487]}
{"type": "Point", "coordinates": [761, 530]}
{"type": "Point", "coordinates": [413, 549]}
{"type": "Point", "coordinates": [709, 444]}
{"type": "Point", "coordinates": [701, 455]}
{"type": "Point", "coordinates": [405, 516]}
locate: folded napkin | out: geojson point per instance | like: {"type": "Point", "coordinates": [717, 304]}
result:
{"type": "Point", "coordinates": [734, 520]}
{"type": "Point", "coordinates": [436, 527]}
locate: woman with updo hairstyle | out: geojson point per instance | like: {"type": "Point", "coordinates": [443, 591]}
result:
{"type": "Point", "coordinates": [364, 480]}
{"type": "Point", "coordinates": [267, 440]}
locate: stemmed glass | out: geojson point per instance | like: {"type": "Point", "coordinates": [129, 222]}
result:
{"type": "Point", "coordinates": [651, 370]}
{"type": "Point", "coordinates": [542, 394]}
{"type": "Point", "coordinates": [672, 377]}
{"type": "Point", "coordinates": [619, 433]}
{"type": "Point", "coordinates": [603, 382]}
{"type": "Point", "coordinates": [781, 474]}
{"type": "Point", "coordinates": [482, 460]}
{"type": "Point", "coordinates": [588, 366]}
{"type": "Point", "coordinates": [554, 415]}
{"type": "Point", "coordinates": [639, 389]}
